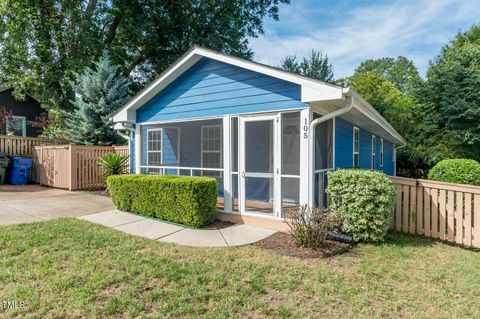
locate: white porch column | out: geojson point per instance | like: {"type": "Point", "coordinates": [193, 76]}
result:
{"type": "Point", "coordinates": [306, 171]}
{"type": "Point", "coordinates": [138, 148]}
{"type": "Point", "coordinates": [227, 165]}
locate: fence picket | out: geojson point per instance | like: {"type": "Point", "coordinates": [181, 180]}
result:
{"type": "Point", "coordinates": [459, 219]}
{"type": "Point", "coordinates": [467, 221]}
{"type": "Point", "coordinates": [476, 221]}
{"type": "Point", "coordinates": [442, 215]}
{"type": "Point", "coordinates": [450, 216]}
{"type": "Point", "coordinates": [413, 203]}
{"type": "Point", "coordinates": [419, 211]}
{"type": "Point", "coordinates": [398, 216]}
{"type": "Point", "coordinates": [428, 206]}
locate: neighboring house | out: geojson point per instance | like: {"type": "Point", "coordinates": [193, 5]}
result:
{"type": "Point", "coordinates": [267, 135]}
{"type": "Point", "coordinates": [23, 111]}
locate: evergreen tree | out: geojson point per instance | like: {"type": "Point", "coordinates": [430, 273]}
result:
{"type": "Point", "coordinates": [99, 91]}
{"type": "Point", "coordinates": [317, 66]}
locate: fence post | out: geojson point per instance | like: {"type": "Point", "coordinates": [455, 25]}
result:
{"type": "Point", "coordinates": [72, 150]}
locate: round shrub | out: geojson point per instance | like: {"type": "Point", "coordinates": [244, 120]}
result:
{"type": "Point", "coordinates": [363, 201]}
{"type": "Point", "coordinates": [460, 171]}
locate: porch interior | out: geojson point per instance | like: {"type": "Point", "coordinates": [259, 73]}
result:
{"type": "Point", "coordinates": [197, 148]}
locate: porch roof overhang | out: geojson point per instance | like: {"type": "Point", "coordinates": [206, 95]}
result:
{"type": "Point", "coordinates": [324, 96]}
{"type": "Point", "coordinates": [362, 114]}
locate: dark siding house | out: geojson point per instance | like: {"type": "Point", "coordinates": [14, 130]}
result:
{"type": "Point", "coordinates": [23, 111]}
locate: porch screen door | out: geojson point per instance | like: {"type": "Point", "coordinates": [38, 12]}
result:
{"type": "Point", "coordinates": [259, 183]}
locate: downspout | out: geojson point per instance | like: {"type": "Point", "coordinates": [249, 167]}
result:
{"type": "Point", "coordinates": [127, 137]}
{"type": "Point", "coordinates": [396, 149]}
{"type": "Point", "coordinates": [311, 146]}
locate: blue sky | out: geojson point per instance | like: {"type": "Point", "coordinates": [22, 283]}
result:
{"type": "Point", "coordinates": [351, 31]}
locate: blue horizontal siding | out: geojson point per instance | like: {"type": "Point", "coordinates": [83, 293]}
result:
{"type": "Point", "coordinates": [365, 149]}
{"type": "Point", "coordinates": [343, 143]}
{"type": "Point", "coordinates": [344, 148]}
{"type": "Point", "coordinates": [389, 161]}
{"type": "Point", "coordinates": [213, 88]}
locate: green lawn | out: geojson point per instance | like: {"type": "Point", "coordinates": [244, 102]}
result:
{"type": "Point", "coordinates": [70, 268]}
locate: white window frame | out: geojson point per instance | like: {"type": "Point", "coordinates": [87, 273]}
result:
{"type": "Point", "coordinates": [356, 130]}
{"type": "Point", "coordinates": [381, 152]}
{"type": "Point", "coordinates": [374, 152]}
{"type": "Point", "coordinates": [24, 124]}
{"type": "Point", "coordinates": [215, 173]}
{"type": "Point", "coordinates": [155, 151]}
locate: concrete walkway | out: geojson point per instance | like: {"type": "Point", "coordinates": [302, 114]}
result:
{"type": "Point", "coordinates": [235, 235]}
{"type": "Point", "coordinates": [33, 203]}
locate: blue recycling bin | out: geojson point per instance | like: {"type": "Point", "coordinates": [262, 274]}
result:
{"type": "Point", "coordinates": [20, 170]}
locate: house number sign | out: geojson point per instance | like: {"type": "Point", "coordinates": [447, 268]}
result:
{"type": "Point", "coordinates": [305, 129]}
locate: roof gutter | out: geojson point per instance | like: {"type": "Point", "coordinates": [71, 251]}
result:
{"type": "Point", "coordinates": [311, 146]}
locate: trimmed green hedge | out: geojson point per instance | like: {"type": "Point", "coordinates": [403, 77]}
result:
{"type": "Point", "coordinates": [363, 200]}
{"type": "Point", "coordinates": [460, 171]}
{"type": "Point", "coordinates": [180, 199]}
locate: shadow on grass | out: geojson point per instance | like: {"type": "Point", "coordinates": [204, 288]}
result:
{"type": "Point", "coordinates": [399, 239]}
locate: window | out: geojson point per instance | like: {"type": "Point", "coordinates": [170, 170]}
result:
{"type": "Point", "coordinates": [16, 125]}
{"type": "Point", "coordinates": [381, 152]}
{"type": "Point", "coordinates": [212, 148]}
{"type": "Point", "coordinates": [154, 147]}
{"type": "Point", "coordinates": [356, 147]}
{"type": "Point", "coordinates": [374, 151]}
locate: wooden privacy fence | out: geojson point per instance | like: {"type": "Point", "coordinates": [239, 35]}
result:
{"type": "Point", "coordinates": [445, 211]}
{"type": "Point", "coordinates": [73, 167]}
{"type": "Point", "coordinates": [23, 146]}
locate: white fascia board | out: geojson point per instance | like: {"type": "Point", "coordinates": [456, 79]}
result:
{"type": "Point", "coordinates": [311, 89]}
{"type": "Point", "coordinates": [312, 93]}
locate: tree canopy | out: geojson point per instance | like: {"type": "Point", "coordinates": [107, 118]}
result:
{"type": "Point", "coordinates": [452, 96]}
{"type": "Point", "coordinates": [43, 43]}
{"type": "Point", "coordinates": [316, 66]}
{"type": "Point", "coordinates": [401, 72]}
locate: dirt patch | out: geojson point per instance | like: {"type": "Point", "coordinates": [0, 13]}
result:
{"type": "Point", "coordinates": [285, 245]}
{"type": "Point", "coordinates": [218, 224]}
{"type": "Point", "coordinates": [101, 192]}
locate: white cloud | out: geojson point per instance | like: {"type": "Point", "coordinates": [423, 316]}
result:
{"type": "Point", "coordinates": [415, 29]}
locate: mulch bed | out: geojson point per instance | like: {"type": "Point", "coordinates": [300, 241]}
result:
{"type": "Point", "coordinates": [285, 245]}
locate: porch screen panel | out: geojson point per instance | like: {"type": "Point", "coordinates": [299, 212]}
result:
{"type": "Point", "coordinates": [324, 145]}
{"type": "Point", "coordinates": [212, 146]}
{"type": "Point", "coordinates": [259, 146]}
{"type": "Point", "coordinates": [323, 160]}
{"type": "Point", "coordinates": [290, 193]}
{"type": "Point", "coordinates": [291, 143]}
{"type": "Point", "coordinates": [259, 159]}
{"type": "Point", "coordinates": [290, 179]}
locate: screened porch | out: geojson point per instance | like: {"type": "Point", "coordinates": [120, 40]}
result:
{"type": "Point", "coordinates": [255, 159]}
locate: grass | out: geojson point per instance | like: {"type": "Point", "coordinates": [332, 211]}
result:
{"type": "Point", "coordinates": [71, 268]}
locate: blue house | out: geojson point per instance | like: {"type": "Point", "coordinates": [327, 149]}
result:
{"type": "Point", "coordinates": [268, 136]}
